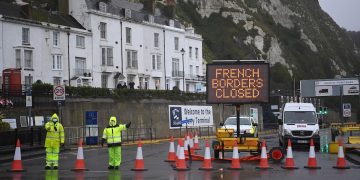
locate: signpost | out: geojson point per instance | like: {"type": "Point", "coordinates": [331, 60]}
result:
{"type": "Point", "coordinates": [59, 96]}
{"type": "Point", "coordinates": [238, 83]}
{"type": "Point", "coordinates": [347, 110]}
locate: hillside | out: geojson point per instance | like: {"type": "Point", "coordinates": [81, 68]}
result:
{"type": "Point", "coordinates": [297, 37]}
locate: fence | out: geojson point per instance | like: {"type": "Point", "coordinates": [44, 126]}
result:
{"type": "Point", "coordinates": [201, 130]}
{"type": "Point", "coordinates": [29, 136]}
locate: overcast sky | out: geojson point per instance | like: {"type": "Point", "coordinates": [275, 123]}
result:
{"type": "Point", "coordinates": [345, 13]}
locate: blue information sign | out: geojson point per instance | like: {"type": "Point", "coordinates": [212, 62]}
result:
{"type": "Point", "coordinates": [91, 127]}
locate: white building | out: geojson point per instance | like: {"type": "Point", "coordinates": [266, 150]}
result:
{"type": "Point", "coordinates": [100, 43]}
{"type": "Point", "coordinates": [146, 49]}
{"type": "Point", "coordinates": [52, 51]}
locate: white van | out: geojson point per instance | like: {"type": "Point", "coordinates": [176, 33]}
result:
{"type": "Point", "coordinates": [247, 126]}
{"type": "Point", "coordinates": [299, 123]}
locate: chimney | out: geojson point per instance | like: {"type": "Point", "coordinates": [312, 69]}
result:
{"type": "Point", "coordinates": [149, 6]}
{"type": "Point", "coordinates": [27, 10]}
{"type": "Point", "coordinates": [63, 6]}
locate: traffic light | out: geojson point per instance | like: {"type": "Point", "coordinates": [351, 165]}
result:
{"type": "Point", "coordinates": [325, 110]}
{"type": "Point", "coordinates": [321, 110]}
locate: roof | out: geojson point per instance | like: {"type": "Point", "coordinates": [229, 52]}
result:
{"type": "Point", "coordinates": [116, 7]}
{"type": "Point", "coordinates": [9, 11]}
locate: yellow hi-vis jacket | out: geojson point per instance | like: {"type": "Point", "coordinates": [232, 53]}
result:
{"type": "Point", "coordinates": [54, 133]}
{"type": "Point", "coordinates": [112, 133]}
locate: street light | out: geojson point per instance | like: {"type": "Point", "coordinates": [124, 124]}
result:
{"type": "Point", "coordinates": [182, 54]}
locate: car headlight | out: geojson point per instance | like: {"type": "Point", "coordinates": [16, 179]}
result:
{"type": "Point", "coordinates": [287, 132]}
{"type": "Point", "coordinates": [316, 132]}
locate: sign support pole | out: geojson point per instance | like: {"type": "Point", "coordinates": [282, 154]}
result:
{"type": "Point", "coordinates": [238, 122]}
{"type": "Point", "coordinates": [341, 106]}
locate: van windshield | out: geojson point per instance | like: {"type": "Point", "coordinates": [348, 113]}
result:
{"type": "Point", "coordinates": [300, 117]}
{"type": "Point", "coordinates": [232, 121]}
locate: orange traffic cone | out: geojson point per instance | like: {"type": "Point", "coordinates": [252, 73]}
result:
{"type": "Point", "coordinates": [289, 163]}
{"type": "Point", "coordinates": [341, 163]}
{"type": "Point", "coordinates": [17, 163]}
{"type": "Point", "coordinates": [80, 163]}
{"type": "Point", "coordinates": [235, 163]}
{"type": "Point", "coordinates": [264, 164]}
{"type": "Point", "coordinates": [312, 158]}
{"type": "Point", "coordinates": [196, 142]}
{"type": "Point", "coordinates": [171, 154]}
{"type": "Point", "coordinates": [139, 162]}
{"type": "Point", "coordinates": [180, 163]}
{"type": "Point", "coordinates": [207, 159]}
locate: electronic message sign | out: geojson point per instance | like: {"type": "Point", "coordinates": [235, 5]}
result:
{"type": "Point", "coordinates": [237, 83]}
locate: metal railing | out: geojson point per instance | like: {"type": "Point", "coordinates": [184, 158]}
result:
{"type": "Point", "coordinates": [82, 72]}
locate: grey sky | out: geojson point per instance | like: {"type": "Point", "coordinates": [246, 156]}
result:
{"type": "Point", "coordinates": [345, 13]}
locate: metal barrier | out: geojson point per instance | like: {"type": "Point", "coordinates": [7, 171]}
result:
{"type": "Point", "coordinates": [28, 136]}
{"type": "Point", "coordinates": [73, 134]}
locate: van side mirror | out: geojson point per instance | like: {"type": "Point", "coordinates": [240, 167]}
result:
{"type": "Point", "coordinates": [255, 124]}
{"type": "Point", "coordinates": [221, 124]}
{"type": "Point", "coordinates": [280, 122]}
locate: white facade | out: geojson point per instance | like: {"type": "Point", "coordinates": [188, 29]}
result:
{"type": "Point", "coordinates": [112, 49]}
{"type": "Point", "coordinates": [40, 50]}
{"type": "Point", "coordinates": [144, 52]}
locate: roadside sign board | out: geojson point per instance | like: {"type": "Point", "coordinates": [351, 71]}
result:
{"type": "Point", "coordinates": [346, 110]}
{"type": "Point", "coordinates": [190, 116]}
{"type": "Point", "coordinates": [28, 101]}
{"type": "Point", "coordinates": [59, 93]}
{"type": "Point", "coordinates": [351, 89]}
{"type": "Point", "coordinates": [323, 91]}
{"type": "Point", "coordinates": [91, 127]}
{"type": "Point", "coordinates": [336, 82]}
{"type": "Point", "coordinates": [237, 83]}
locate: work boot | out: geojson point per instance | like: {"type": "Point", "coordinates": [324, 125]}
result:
{"type": "Point", "coordinates": [116, 167]}
{"type": "Point", "coordinates": [55, 167]}
{"type": "Point", "coordinates": [47, 167]}
{"type": "Point", "coordinates": [111, 167]}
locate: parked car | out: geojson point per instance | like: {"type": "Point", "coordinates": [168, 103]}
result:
{"type": "Point", "coordinates": [247, 126]}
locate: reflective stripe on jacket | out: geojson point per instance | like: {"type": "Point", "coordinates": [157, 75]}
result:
{"type": "Point", "coordinates": [54, 138]}
{"type": "Point", "coordinates": [112, 134]}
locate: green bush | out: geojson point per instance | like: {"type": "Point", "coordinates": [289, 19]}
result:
{"type": "Point", "coordinates": [4, 126]}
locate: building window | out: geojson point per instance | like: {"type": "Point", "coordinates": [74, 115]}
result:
{"type": "Point", "coordinates": [25, 36]}
{"type": "Point", "coordinates": [80, 41]}
{"type": "Point", "coordinates": [176, 41]}
{"type": "Point", "coordinates": [131, 57]}
{"type": "Point", "coordinates": [57, 62]}
{"type": "Point", "coordinates": [80, 66]}
{"type": "Point", "coordinates": [156, 40]}
{"type": "Point", "coordinates": [197, 70]}
{"type": "Point", "coordinates": [102, 7]}
{"type": "Point", "coordinates": [57, 81]}
{"type": "Point", "coordinates": [156, 62]}
{"type": "Point", "coordinates": [107, 56]}
{"type": "Point", "coordinates": [102, 30]}
{"type": "Point", "coordinates": [28, 59]}
{"type": "Point", "coordinates": [128, 35]}
{"type": "Point", "coordinates": [190, 52]}
{"type": "Point", "coordinates": [18, 58]}
{"type": "Point", "coordinates": [196, 53]}
{"type": "Point", "coordinates": [104, 80]}
{"type": "Point", "coordinates": [191, 70]}
{"type": "Point", "coordinates": [56, 38]}
{"type": "Point", "coordinates": [28, 80]}
{"type": "Point", "coordinates": [175, 67]}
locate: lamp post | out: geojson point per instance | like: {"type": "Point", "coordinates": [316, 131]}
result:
{"type": "Point", "coordinates": [182, 54]}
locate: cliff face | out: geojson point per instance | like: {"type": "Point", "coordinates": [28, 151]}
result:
{"type": "Point", "coordinates": [295, 35]}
